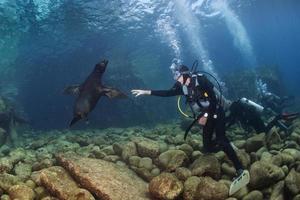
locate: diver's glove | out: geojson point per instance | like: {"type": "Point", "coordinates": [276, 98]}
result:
{"type": "Point", "coordinates": [140, 92]}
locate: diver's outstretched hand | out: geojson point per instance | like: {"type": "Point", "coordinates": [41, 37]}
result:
{"type": "Point", "coordinates": [140, 92]}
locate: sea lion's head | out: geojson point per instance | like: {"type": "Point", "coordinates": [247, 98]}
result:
{"type": "Point", "coordinates": [101, 66]}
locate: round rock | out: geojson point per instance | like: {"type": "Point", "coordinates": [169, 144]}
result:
{"type": "Point", "coordinates": [257, 195]}
{"type": "Point", "coordinates": [183, 173]}
{"type": "Point", "coordinates": [172, 159]}
{"type": "Point", "coordinates": [146, 163]}
{"type": "Point", "coordinates": [165, 187]}
{"type": "Point", "coordinates": [190, 187]}
{"type": "Point", "coordinates": [147, 147]}
{"type": "Point", "coordinates": [264, 174]}
{"type": "Point", "coordinates": [209, 189]}
{"type": "Point", "coordinates": [292, 182]}
{"type": "Point", "coordinates": [21, 192]}
{"type": "Point", "coordinates": [206, 165]}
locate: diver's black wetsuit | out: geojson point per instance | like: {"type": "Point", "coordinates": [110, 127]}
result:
{"type": "Point", "coordinates": [248, 117]}
{"type": "Point", "coordinates": [217, 125]}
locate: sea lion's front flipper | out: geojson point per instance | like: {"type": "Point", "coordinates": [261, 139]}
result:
{"type": "Point", "coordinates": [114, 93]}
{"type": "Point", "coordinates": [72, 90]}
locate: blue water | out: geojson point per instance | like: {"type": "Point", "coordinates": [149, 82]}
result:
{"type": "Point", "coordinates": [46, 45]}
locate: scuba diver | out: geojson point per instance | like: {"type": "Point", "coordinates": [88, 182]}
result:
{"type": "Point", "coordinates": [248, 113]}
{"type": "Point", "coordinates": [275, 103]}
{"type": "Point", "coordinates": [202, 98]}
{"type": "Point", "coordinates": [272, 102]}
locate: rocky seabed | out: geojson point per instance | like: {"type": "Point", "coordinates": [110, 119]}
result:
{"type": "Point", "coordinates": [138, 164]}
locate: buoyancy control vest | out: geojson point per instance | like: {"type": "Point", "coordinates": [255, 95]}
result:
{"type": "Point", "coordinates": [197, 94]}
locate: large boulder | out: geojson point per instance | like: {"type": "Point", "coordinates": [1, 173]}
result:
{"type": "Point", "coordinates": [147, 147]}
{"type": "Point", "coordinates": [176, 140]}
{"type": "Point", "coordinates": [264, 174]}
{"type": "Point", "coordinates": [183, 173]}
{"type": "Point", "coordinates": [256, 142]}
{"type": "Point", "coordinates": [43, 164]}
{"type": "Point", "coordinates": [294, 153]}
{"type": "Point", "coordinates": [295, 137]}
{"type": "Point", "coordinates": [134, 161]}
{"type": "Point", "coordinates": [244, 158]}
{"type": "Point", "coordinates": [292, 182]}
{"type": "Point", "coordinates": [280, 159]}
{"type": "Point", "coordinates": [255, 194]}
{"type": "Point", "coordinates": [23, 170]}
{"type": "Point", "coordinates": [40, 192]}
{"type": "Point", "coordinates": [190, 187]}
{"type": "Point", "coordinates": [297, 197]}
{"type": "Point", "coordinates": [228, 170]}
{"type": "Point", "coordinates": [146, 163]}
{"type": "Point", "coordinates": [209, 189]}
{"type": "Point", "coordinates": [143, 173]}
{"type": "Point", "coordinates": [241, 193]}
{"type": "Point", "coordinates": [166, 186]}
{"type": "Point", "coordinates": [108, 150]}
{"type": "Point", "coordinates": [187, 149]}
{"type": "Point", "coordinates": [60, 184]}
{"type": "Point", "coordinates": [274, 140]}
{"type": "Point", "coordinates": [172, 159]}
{"type": "Point", "coordinates": [106, 180]}
{"type": "Point", "coordinates": [21, 192]}
{"type": "Point", "coordinates": [7, 181]}
{"type": "Point", "coordinates": [15, 156]}
{"type": "Point", "coordinates": [6, 165]}
{"type": "Point", "coordinates": [278, 191]}
{"type": "Point", "coordinates": [206, 165]}
{"type": "Point", "coordinates": [125, 150]}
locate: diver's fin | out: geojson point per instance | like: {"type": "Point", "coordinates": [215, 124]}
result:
{"type": "Point", "coordinates": [241, 181]}
{"type": "Point", "coordinates": [74, 120]}
{"type": "Point", "coordinates": [290, 116]}
{"type": "Point", "coordinates": [114, 93]}
{"type": "Point", "coordinates": [234, 147]}
{"type": "Point", "coordinates": [72, 90]}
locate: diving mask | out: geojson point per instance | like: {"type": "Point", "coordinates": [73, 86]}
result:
{"type": "Point", "coordinates": [175, 68]}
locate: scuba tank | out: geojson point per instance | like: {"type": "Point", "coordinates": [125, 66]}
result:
{"type": "Point", "coordinates": [248, 102]}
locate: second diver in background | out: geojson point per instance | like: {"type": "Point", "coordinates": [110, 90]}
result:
{"type": "Point", "coordinates": [249, 115]}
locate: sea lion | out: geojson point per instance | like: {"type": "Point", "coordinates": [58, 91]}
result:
{"type": "Point", "coordinates": [89, 93]}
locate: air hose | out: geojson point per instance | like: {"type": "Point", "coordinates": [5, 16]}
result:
{"type": "Point", "coordinates": [180, 110]}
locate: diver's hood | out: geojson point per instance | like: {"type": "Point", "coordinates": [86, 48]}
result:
{"type": "Point", "coordinates": [175, 71]}
{"type": "Point", "coordinates": [178, 70]}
